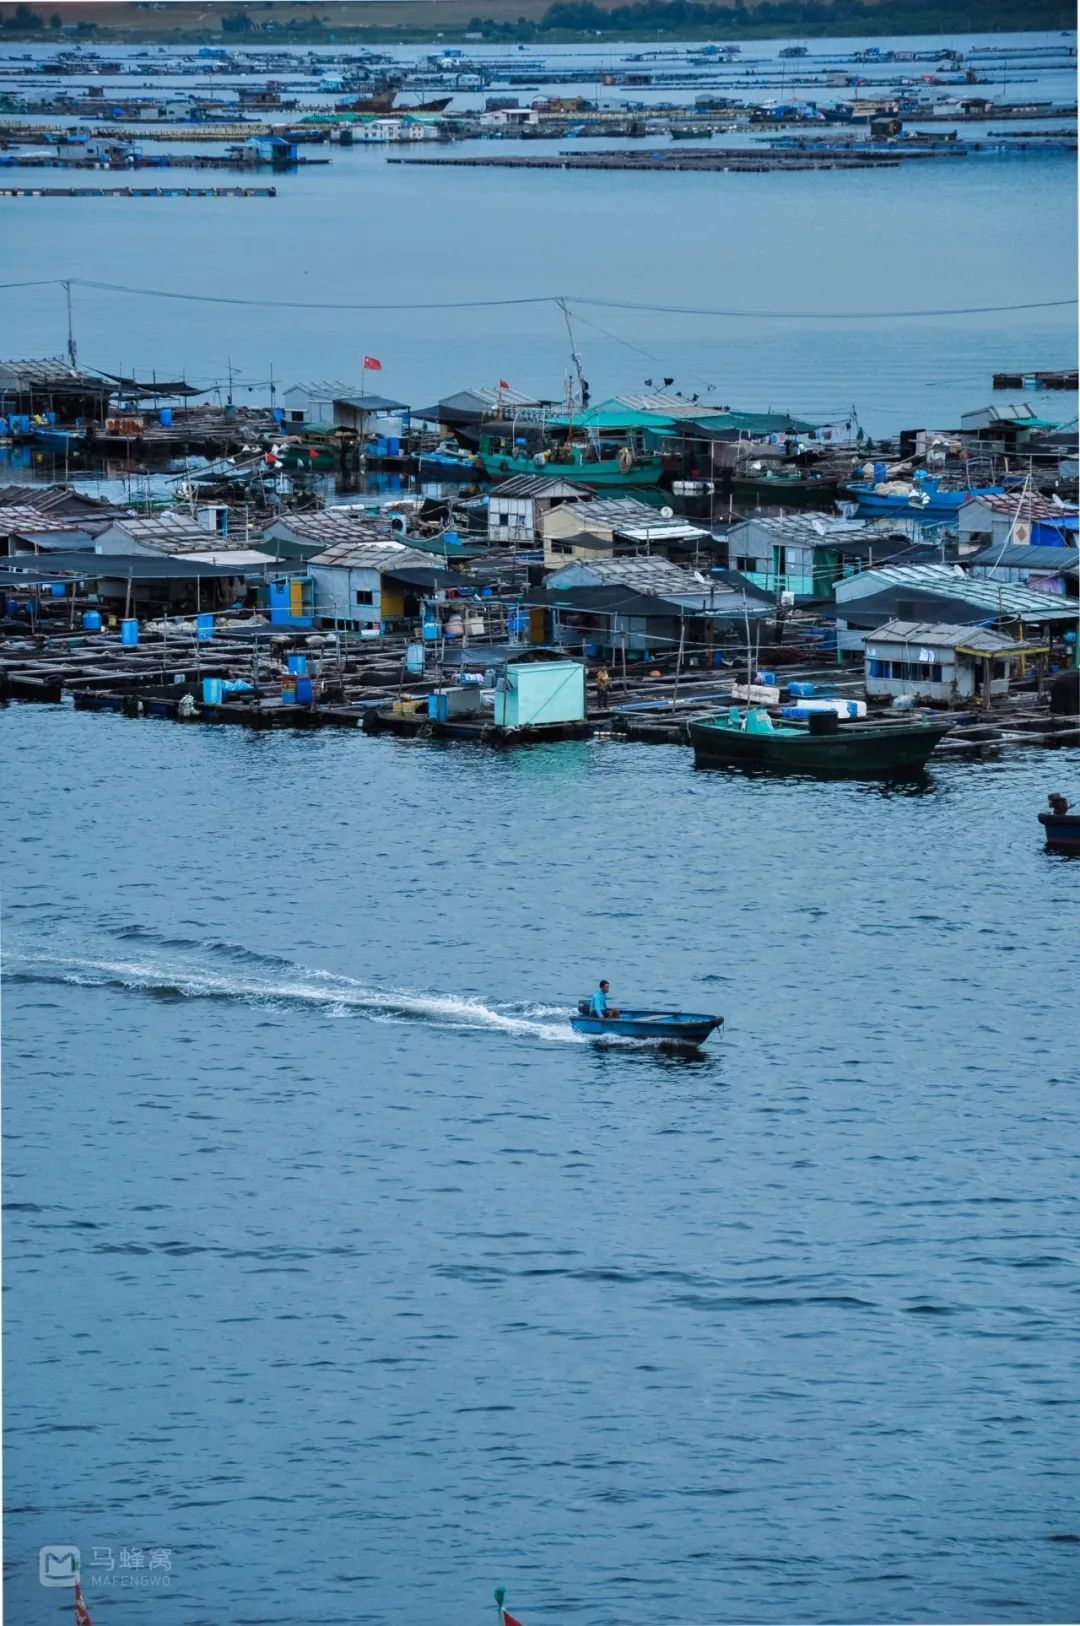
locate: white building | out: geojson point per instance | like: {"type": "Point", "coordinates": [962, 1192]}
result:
{"type": "Point", "coordinates": [517, 505]}
{"type": "Point", "coordinates": [1015, 517]}
{"type": "Point", "coordinates": [606, 526]}
{"type": "Point", "coordinates": [314, 402]}
{"type": "Point", "coordinates": [361, 586]}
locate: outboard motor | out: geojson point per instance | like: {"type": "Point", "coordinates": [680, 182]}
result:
{"type": "Point", "coordinates": [584, 1007]}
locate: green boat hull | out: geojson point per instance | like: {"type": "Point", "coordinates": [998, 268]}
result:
{"type": "Point", "coordinates": [643, 471]}
{"type": "Point", "coordinates": [856, 750]}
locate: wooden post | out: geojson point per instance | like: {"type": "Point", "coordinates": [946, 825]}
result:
{"type": "Point", "coordinates": [678, 661]}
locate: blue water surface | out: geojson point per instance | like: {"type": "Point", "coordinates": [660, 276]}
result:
{"type": "Point", "coordinates": [339, 1270]}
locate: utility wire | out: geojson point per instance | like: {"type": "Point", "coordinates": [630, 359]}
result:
{"type": "Point", "coordinates": [546, 299]}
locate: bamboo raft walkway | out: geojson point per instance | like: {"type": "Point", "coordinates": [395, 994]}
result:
{"type": "Point", "coordinates": [360, 688]}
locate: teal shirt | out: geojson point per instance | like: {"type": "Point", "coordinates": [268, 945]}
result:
{"type": "Point", "coordinates": [599, 1002]}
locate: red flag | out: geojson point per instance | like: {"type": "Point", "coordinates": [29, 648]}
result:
{"type": "Point", "coordinates": [503, 385]}
{"type": "Point", "coordinates": [509, 1619]}
{"type": "Point", "coordinates": [82, 1614]}
{"type": "Point", "coordinates": [372, 364]}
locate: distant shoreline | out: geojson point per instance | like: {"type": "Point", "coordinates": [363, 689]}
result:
{"type": "Point", "coordinates": [495, 22]}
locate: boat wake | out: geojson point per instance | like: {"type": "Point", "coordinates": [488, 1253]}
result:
{"type": "Point", "coordinates": [268, 980]}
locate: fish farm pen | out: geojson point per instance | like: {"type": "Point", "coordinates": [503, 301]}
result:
{"type": "Point", "coordinates": [252, 675]}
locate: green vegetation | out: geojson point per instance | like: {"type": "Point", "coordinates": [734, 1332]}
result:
{"type": "Point", "coordinates": [542, 21]}
{"type": "Point", "coordinates": [733, 19]}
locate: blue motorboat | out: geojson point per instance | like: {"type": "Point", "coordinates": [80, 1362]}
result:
{"type": "Point", "coordinates": [925, 496]}
{"type": "Point", "coordinates": [679, 1030]}
{"type": "Point", "coordinates": [448, 462]}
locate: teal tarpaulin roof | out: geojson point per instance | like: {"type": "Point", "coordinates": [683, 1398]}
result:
{"type": "Point", "coordinates": [613, 415]}
{"type": "Point", "coordinates": [755, 423]}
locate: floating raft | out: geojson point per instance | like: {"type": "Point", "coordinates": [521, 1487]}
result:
{"type": "Point", "coordinates": [700, 159]}
{"type": "Point", "coordinates": [138, 191]}
{"type": "Point", "coordinates": [1063, 380]}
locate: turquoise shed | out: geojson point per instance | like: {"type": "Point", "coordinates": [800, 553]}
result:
{"type": "Point", "coordinates": [537, 692]}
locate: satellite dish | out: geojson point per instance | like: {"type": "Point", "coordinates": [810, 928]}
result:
{"type": "Point", "coordinates": [698, 577]}
{"type": "Point", "coordinates": [667, 513]}
{"type": "Point", "coordinates": [819, 527]}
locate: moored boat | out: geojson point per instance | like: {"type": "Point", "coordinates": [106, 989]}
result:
{"type": "Point", "coordinates": [446, 462]}
{"type": "Point", "coordinates": [1061, 826]}
{"type": "Point", "coordinates": [927, 497]}
{"type": "Point", "coordinates": [823, 745]}
{"type": "Point", "coordinates": [678, 1030]}
{"type": "Point", "coordinates": [576, 461]}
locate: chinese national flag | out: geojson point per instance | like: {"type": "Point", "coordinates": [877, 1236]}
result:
{"type": "Point", "coordinates": [372, 364]}
{"type": "Point", "coordinates": [82, 1614]}
{"type": "Point", "coordinates": [509, 1619]}
{"type": "Point", "coordinates": [503, 385]}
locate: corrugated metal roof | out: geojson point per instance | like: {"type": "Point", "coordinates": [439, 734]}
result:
{"type": "Point", "coordinates": [658, 578]}
{"type": "Point", "coordinates": [1028, 506]}
{"type": "Point", "coordinates": [812, 529]}
{"type": "Point", "coordinates": [942, 635]}
{"type": "Point", "coordinates": [15, 520]}
{"type": "Point", "coordinates": [994, 598]}
{"type": "Point", "coordinates": [48, 372]}
{"type": "Point", "coordinates": [174, 533]}
{"type": "Point", "coordinates": [1021, 556]}
{"type": "Point", "coordinates": [373, 555]}
{"type": "Point", "coordinates": [371, 403]}
{"type": "Point", "coordinates": [353, 525]}
{"type": "Point", "coordinates": [538, 485]}
{"type": "Point", "coordinates": [324, 389]}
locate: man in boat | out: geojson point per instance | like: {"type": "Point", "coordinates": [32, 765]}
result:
{"type": "Point", "coordinates": [600, 1006]}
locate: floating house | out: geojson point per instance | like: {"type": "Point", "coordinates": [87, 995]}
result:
{"type": "Point", "coordinates": [609, 526]}
{"type": "Point", "coordinates": [517, 506]}
{"type": "Point", "coordinates": [169, 535]}
{"type": "Point", "coordinates": [313, 403]}
{"type": "Point", "coordinates": [303, 535]}
{"type": "Point", "coordinates": [806, 553]}
{"type": "Point", "coordinates": [1017, 518]}
{"type": "Point", "coordinates": [639, 607]}
{"type": "Point", "coordinates": [1048, 570]}
{"type": "Point", "coordinates": [373, 587]}
{"type": "Point", "coordinates": [941, 664]}
{"type": "Point", "coordinates": [939, 593]}
{"type": "Point", "coordinates": [30, 388]}
{"type": "Point", "coordinates": [463, 413]}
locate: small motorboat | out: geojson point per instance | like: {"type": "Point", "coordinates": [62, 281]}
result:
{"type": "Point", "coordinates": [1061, 826]}
{"type": "Point", "coordinates": [678, 1030]}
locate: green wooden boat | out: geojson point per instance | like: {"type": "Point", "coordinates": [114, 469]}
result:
{"type": "Point", "coordinates": [823, 746]}
{"type": "Point", "coordinates": [577, 461]}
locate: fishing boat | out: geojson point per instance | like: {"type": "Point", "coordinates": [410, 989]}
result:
{"type": "Point", "coordinates": [448, 462]}
{"type": "Point", "coordinates": [785, 488]}
{"type": "Point", "coordinates": [1061, 826]}
{"type": "Point", "coordinates": [921, 496]}
{"type": "Point", "coordinates": [674, 1030]}
{"type": "Point", "coordinates": [59, 440]}
{"type": "Point", "coordinates": [576, 460]}
{"type": "Point", "coordinates": [821, 745]}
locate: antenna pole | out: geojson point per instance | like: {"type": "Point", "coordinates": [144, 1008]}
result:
{"type": "Point", "coordinates": [71, 330]}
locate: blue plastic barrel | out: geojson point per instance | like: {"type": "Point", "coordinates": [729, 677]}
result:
{"type": "Point", "coordinates": [414, 658]}
{"type": "Point", "coordinates": [803, 691]}
{"type": "Point", "coordinates": [204, 628]}
{"type": "Point", "coordinates": [305, 691]}
{"type": "Point", "coordinates": [288, 694]}
{"type": "Point", "coordinates": [211, 691]}
{"type": "Point", "coordinates": [58, 589]}
{"type": "Point", "coordinates": [129, 632]}
{"type": "Point", "coordinates": [166, 417]}
{"type": "Point", "coordinates": [296, 663]}
{"type": "Point", "coordinates": [431, 630]}
{"type": "Point", "coordinates": [278, 414]}
{"type": "Point", "coordinates": [450, 538]}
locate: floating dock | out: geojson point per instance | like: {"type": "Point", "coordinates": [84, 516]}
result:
{"type": "Point", "coordinates": [138, 191]}
{"type": "Point", "coordinates": [1066, 379]}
